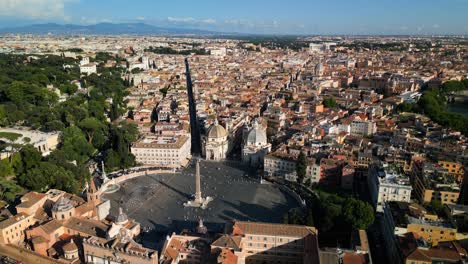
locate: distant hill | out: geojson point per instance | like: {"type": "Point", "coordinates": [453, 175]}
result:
{"type": "Point", "coordinates": [102, 29]}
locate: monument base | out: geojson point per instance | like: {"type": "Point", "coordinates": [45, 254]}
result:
{"type": "Point", "coordinates": [201, 203]}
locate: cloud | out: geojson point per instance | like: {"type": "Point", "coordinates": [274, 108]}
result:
{"type": "Point", "coordinates": [180, 19]}
{"type": "Point", "coordinates": [436, 26]}
{"type": "Point", "coordinates": [141, 18]}
{"type": "Point", "coordinates": [92, 20]}
{"type": "Point", "coordinates": [191, 20]}
{"type": "Point", "coordinates": [34, 9]}
{"type": "Point", "coordinates": [208, 21]}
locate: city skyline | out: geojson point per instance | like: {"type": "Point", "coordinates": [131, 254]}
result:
{"type": "Point", "coordinates": [259, 17]}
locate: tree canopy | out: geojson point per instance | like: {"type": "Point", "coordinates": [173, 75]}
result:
{"type": "Point", "coordinates": [87, 122]}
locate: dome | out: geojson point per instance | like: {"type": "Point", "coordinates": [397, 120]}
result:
{"type": "Point", "coordinates": [70, 247]}
{"type": "Point", "coordinates": [256, 136]}
{"type": "Point", "coordinates": [62, 205]}
{"type": "Point", "coordinates": [217, 131]}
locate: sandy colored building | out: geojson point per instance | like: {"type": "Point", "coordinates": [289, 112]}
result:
{"type": "Point", "coordinates": [275, 243]}
{"type": "Point", "coordinates": [455, 169]}
{"type": "Point", "coordinates": [432, 183]}
{"type": "Point", "coordinates": [102, 251]}
{"type": "Point", "coordinates": [12, 229]}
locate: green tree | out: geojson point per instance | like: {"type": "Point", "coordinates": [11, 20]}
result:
{"type": "Point", "coordinates": [301, 167]}
{"type": "Point", "coordinates": [6, 169]}
{"type": "Point", "coordinates": [91, 126]}
{"type": "Point", "coordinates": [330, 212]}
{"type": "Point", "coordinates": [309, 219]}
{"type": "Point", "coordinates": [47, 175]}
{"type": "Point", "coordinates": [437, 206]}
{"type": "Point", "coordinates": [75, 147]}
{"type": "Point", "coordinates": [70, 88]}
{"type": "Point", "coordinates": [30, 158]}
{"type": "Point", "coordinates": [358, 214]}
{"type": "Point", "coordinates": [9, 190]}
{"type": "Point", "coordinates": [330, 103]}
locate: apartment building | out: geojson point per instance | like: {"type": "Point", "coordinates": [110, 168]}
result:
{"type": "Point", "coordinates": [434, 183]}
{"type": "Point", "coordinates": [387, 184]}
{"type": "Point", "coordinates": [284, 167]}
{"type": "Point", "coordinates": [363, 128]}
{"type": "Point", "coordinates": [454, 168]}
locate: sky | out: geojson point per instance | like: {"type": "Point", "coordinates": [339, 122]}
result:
{"type": "Point", "coordinates": [353, 17]}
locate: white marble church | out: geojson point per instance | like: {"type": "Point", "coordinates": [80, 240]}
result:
{"type": "Point", "coordinates": [216, 142]}
{"type": "Point", "coordinates": [255, 146]}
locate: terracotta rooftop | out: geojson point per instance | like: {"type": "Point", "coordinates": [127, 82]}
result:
{"type": "Point", "coordinates": [243, 228]}
{"type": "Point", "coordinates": [12, 220]}
{"type": "Point", "coordinates": [228, 241]}
{"type": "Point", "coordinates": [30, 198]}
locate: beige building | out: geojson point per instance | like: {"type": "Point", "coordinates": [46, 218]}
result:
{"type": "Point", "coordinates": [433, 183]}
{"type": "Point", "coordinates": [164, 151]}
{"type": "Point", "coordinates": [12, 229]}
{"type": "Point", "coordinates": [102, 251]}
{"type": "Point", "coordinates": [275, 243]}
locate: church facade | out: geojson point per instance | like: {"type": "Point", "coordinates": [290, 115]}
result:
{"type": "Point", "coordinates": [255, 146]}
{"type": "Point", "coordinates": [216, 142]}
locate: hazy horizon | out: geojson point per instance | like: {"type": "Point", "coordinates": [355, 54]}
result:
{"type": "Point", "coordinates": [298, 17]}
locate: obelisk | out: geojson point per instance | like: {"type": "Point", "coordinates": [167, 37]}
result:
{"type": "Point", "coordinates": [198, 196]}
{"type": "Point", "coordinates": [103, 173]}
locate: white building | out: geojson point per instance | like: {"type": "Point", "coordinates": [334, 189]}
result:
{"type": "Point", "coordinates": [164, 151]}
{"type": "Point", "coordinates": [284, 167]}
{"type": "Point", "coordinates": [386, 184]}
{"type": "Point", "coordinates": [279, 167]}
{"type": "Point", "coordinates": [363, 128]}
{"type": "Point", "coordinates": [256, 146]}
{"type": "Point", "coordinates": [313, 47]}
{"type": "Point", "coordinates": [216, 143]}
{"type": "Point", "coordinates": [84, 61]}
{"type": "Point", "coordinates": [88, 69]}
{"type": "Point", "coordinates": [44, 142]}
{"type": "Point", "coordinates": [219, 52]}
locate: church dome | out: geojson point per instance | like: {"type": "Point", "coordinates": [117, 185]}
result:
{"type": "Point", "coordinates": [256, 136]}
{"type": "Point", "coordinates": [70, 247]}
{"type": "Point", "coordinates": [62, 205]}
{"type": "Point", "coordinates": [217, 131]}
